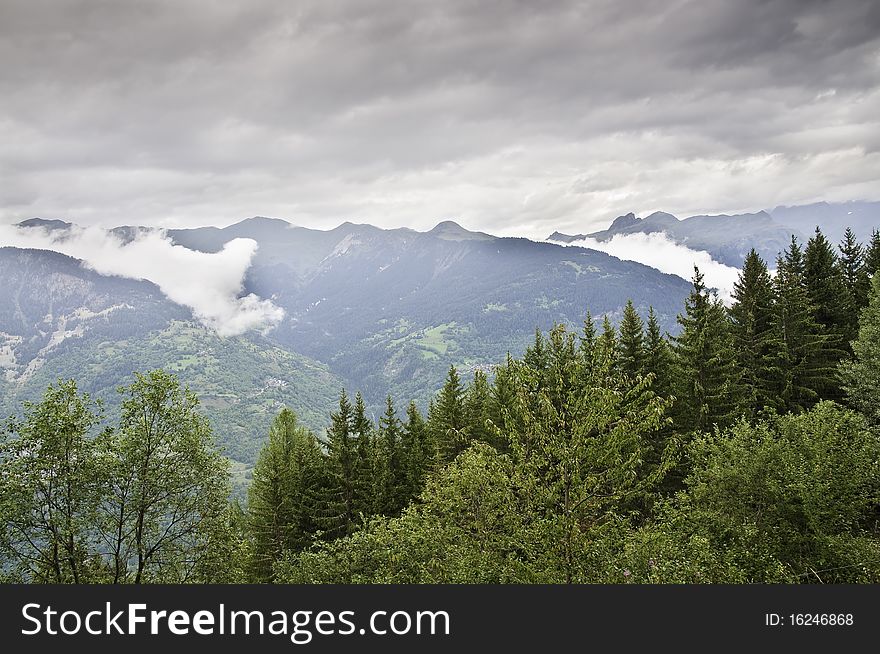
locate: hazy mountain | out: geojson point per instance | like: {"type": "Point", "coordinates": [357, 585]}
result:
{"type": "Point", "coordinates": [390, 310]}
{"type": "Point", "coordinates": [833, 218]}
{"type": "Point", "coordinates": [728, 238]}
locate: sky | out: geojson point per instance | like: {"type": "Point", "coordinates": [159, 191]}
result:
{"type": "Point", "coordinates": [511, 117]}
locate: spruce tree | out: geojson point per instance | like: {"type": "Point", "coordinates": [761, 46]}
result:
{"type": "Point", "coordinates": [417, 452]}
{"type": "Point", "coordinates": [707, 378]}
{"type": "Point", "coordinates": [658, 357]}
{"type": "Point", "coordinates": [861, 376]}
{"type": "Point", "coordinates": [799, 368]}
{"type": "Point", "coordinates": [477, 407]}
{"type": "Point", "coordinates": [828, 299]}
{"type": "Point", "coordinates": [751, 325]}
{"type": "Point", "coordinates": [872, 254]}
{"type": "Point", "coordinates": [632, 342]}
{"type": "Point", "coordinates": [339, 514]}
{"type": "Point", "coordinates": [283, 494]}
{"type": "Point", "coordinates": [447, 420]}
{"type": "Point", "coordinates": [390, 477]}
{"type": "Point", "coordinates": [606, 344]}
{"type": "Point", "coordinates": [855, 277]}
{"type": "Point", "coordinates": [368, 498]}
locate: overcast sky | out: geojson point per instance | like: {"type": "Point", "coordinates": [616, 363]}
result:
{"type": "Point", "coordinates": [510, 117]}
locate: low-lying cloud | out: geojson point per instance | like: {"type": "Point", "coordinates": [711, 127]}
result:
{"type": "Point", "coordinates": [208, 283]}
{"type": "Point", "coordinates": [661, 252]}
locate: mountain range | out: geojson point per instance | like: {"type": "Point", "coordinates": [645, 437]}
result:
{"type": "Point", "coordinates": [728, 238]}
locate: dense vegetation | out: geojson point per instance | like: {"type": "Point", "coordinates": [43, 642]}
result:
{"type": "Point", "coordinates": [745, 449]}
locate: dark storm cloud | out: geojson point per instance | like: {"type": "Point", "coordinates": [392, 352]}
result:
{"type": "Point", "coordinates": [514, 117]}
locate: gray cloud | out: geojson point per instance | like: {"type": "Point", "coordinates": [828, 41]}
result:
{"type": "Point", "coordinates": [513, 117]}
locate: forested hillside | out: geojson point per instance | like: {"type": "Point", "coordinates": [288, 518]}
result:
{"type": "Point", "coordinates": [744, 449]}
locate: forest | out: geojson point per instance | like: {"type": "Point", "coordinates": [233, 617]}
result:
{"type": "Point", "coordinates": [744, 449]}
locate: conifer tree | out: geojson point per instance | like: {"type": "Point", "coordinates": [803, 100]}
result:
{"type": "Point", "coordinates": [707, 375]}
{"type": "Point", "coordinates": [658, 357]}
{"type": "Point", "coordinates": [828, 299]}
{"type": "Point", "coordinates": [477, 407]}
{"type": "Point", "coordinates": [390, 473]}
{"type": "Point", "coordinates": [339, 515]}
{"type": "Point", "coordinates": [632, 342]}
{"type": "Point", "coordinates": [418, 452]}
{"type": "Point", "coordinates": [447, 420]}
{"type": "Point", "coordinates": [283, 494]}
{"type": "Point", "coordinates": [855, 277]}
{"type": "Point", "coordinates": [368, 498]}
{"type": "Point", "coordinates": [606, 344]}
{"type": "Point", "coordinates": [751, 325]}
{"type": "Point", "coordinates": [872, 254]}
{"type": "Point", "coordinates": [861, 376]}
{"type": "Point", "coordinates": [796, 343]}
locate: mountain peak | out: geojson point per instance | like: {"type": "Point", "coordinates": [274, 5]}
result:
{"type": "Point", "coordinates": [625, 221]}
{"type": "Point", "coordinates": [47, 224]}
{"type": "Point", "coordinates": [261, 221]}
{"type": "Point", "coordinates": [450, 230]}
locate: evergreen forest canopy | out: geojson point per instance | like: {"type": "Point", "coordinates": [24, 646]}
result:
{"type": "Point", "coordinates": [744, 449]}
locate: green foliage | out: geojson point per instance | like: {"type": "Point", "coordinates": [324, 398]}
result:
{"type": "Point", "coordinates": [144, 502]}
{"type": "Point", "coordinates": [790, 499]}
{"type": "Point", "coordinates": [861, 376]}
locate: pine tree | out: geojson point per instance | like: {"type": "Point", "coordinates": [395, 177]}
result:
{"type": "Point", "coordinates": [417, 451]}
{"type": "Point", "coordinates": [855, 277]}
{"type": "Point", "coordinates": [861, 376]}
{"type": "Point", "coordinates": [872, 254]}
{"type": "Point", "coordinates": [339, 515]}
{"type": "Point", "coordinates": [283, 494]}
{"type": "Point", "coordinates": [477, 406]}
{"type": "Point", "coordinates": [369, 466]}
{"type": "Point", "coordinates": [390, 473]}
{"type": "Point", "coordinates": [606, 345]}
{"type": "Point", "coordinates": [707, 377]}
{"type": "Point", "coordinates": [796, 342]}
{"type": "Point", "coordinates": [751, 325]}
{"type": "Point", "coordinates": [447, 420]}
{"type": "Point", "coordinates": [658, 357]}
{"type": "Point", "coordinates": [828, 299]}
{"type": "Point", "coordinates": [632, 342]}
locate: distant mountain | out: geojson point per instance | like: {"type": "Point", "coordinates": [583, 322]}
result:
{"type": "Point", "coordinates": [833, 218]}
{"type": "Point", "coordinates": [728, 238]}
{"type": "Point", "coordinates": [391, 310]}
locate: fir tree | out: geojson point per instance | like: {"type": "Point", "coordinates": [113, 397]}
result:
{"type": "Point", "coordinates": [632, 342]}
{"type": "Point", "coordinates": [828, 299]}
{"type": "Point", "coordinates": [477, 407]}
{"type": "Point", "coordinates": [283, 494]}
{"type": "Point", "coordinates": [368, 498]}
{"type": "Point", "coordinates": [861, 376]}
{"type": "Point", "coordinates": [340, 507]}
{"type": "Point", "coordinates": [447, 420]}
{"type": "Point", "coordinates": [418, 452]}
{"type": "Point", "coordinates": [391, 484]}
{"type": "Point", "coordinates": [707, 376]}
{"type": "Point", "coordinates": [751, 325]}
{"type": "Point", "coordinates": [658, 357]}
{"type": "Point", "coordinates": [796, 342]}
{"type": "Point", "coordinates": [855, 277]}
{"type": "Point", "coordinates": [872, 254]}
